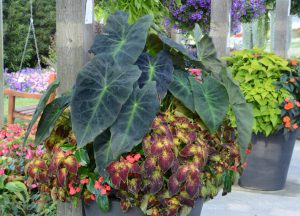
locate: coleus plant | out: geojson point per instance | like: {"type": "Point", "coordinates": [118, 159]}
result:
{"type": "Point", "coordinates": [180, 162]}
{"type": "Point", "coordinates": [119, 92]}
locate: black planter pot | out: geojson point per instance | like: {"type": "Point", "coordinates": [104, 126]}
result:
{"type": "Point", "coordinates": [269, 162]}
{"type": "Point", "coordinates": [91, 209]}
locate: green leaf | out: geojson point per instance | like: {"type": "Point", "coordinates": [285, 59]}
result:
{"type": "Point", "coordinates": [244, 121]}
{"type": "Point", "coordinates": [211, 101]}
{"type": "Point", "coordinates": [197, 33]}
{"type": "Point", "coordinates": [181, 89]}
{"type": "Point", "coordinates": [123, 42]}
{"type": "Point", "coordinates": [144, 203]}
{"type": "Point", "coordinates": [51, 114]}
{"type": "Point", "coordinates": [16, 186]}
{"type": "Point", "coordinates": [102, 202]}
{"type": "Point", "coordinates": [159, 69]}
{"type": "Point", "coordinates": [207, 54]}
{"type": "Point", "coordinates": [132, 124]}
{"type": "Point", "coordinates": [180, 48]}
{"type": "Point", "coordinates": [243, 112]}
{"type": "Point", "coordinates": [82, 156]}
{"type": "Point", "coordinates": [40, 107]}
{"type": "Point", "coordinates": [103, 151]}
{"type": "Point", "coordinates": [2, 179]}
{"type": "Point", "coordinates": [101, 89]}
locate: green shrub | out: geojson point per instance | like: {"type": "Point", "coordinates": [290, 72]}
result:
{"type": "Point", "coordinates": [256, 71]}
{"type": "Point", "coordinates": [16, 14]}
{"type": "Point", "coordinates": [134, 8]}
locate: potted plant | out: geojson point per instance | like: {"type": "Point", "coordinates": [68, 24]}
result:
{"type": "Point", "coordinates": [273, 140]}
{"type": "Point", "coordinates": [136, 94]}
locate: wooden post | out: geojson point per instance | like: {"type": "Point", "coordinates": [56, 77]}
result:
{"type": "Point", "coordinates": [1, 69]}
{"type": "Point", "coordinates": [281, 32]}
{"type": "Point", "coordinates": [73, 40]}
{"type": "Point", "coordinates": [220, 25]}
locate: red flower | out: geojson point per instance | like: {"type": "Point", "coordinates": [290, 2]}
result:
{"type": "Point", "coordinates": [248, 151]}
{"type": "Point", "coordinates": [78, 189]}
{"type": "Point", "coordinates": [294, 62]}
{"type": "Point", "coordinates": [72, 191]}
{"type": "Point", "coordinates": [295, 126]}
{"type": "Point", "coordinates": [137, 157]}
{"type": "Point", "coordinates": [103, 191]}
{"type": "Point", "coordinates": [93, 197]}
{"type": "Point", "coordinates": [289, 106]}
{"type": "Point", "coordinates": [245, 164]}
{"type": "Point", "coordinates": [68, 152]}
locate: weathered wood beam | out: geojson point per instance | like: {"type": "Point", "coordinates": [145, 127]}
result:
{"type": "Point", "coordinates": [281, 28]}
{"type": "Point", "coordinates": [73, 39]}
{"type": "Point", "coordinates": [220, 26]}
{"type": "Point", "coordinates": [1, 69]}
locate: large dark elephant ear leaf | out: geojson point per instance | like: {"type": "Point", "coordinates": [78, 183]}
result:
{"type": "Point", "coordinates": [101, 89]}
{"type": "Point", "coordinates": [243, 112]}
{"type": "Point", "coordinates": [103, 151]}
{"type": "Point", "coordinates": [123, 42]}
{"type": "Point", "coordinates": [51, 114]}
{"type": "Point", "coordinates": [128, 131]}
{"type": "Point", "coordinates": [211, 101]}
{"type": "Point", "coordinates": [159, 69]}
{"type": "Point", "coordinates": [207, 54]}
{"type": "Point", "coordinates": [181, 89]}
{"type": "Point", "coordinates": [178, 47]}
{"type": "Point", "coordinates": [40, 107]}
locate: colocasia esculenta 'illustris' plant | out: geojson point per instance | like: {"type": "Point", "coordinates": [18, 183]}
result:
{"type": "Point", "coordinates": [118, 94]}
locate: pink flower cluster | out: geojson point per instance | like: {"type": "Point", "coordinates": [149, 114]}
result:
{"type": "Point", "coordinates": [11, 138]}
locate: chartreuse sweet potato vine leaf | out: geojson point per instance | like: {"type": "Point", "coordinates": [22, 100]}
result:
{"type": "Point", "coordinates": [102, 87]}
{"type": "Point", "coordinates": [123, 42]}
{"type": "Point", "coordinates": [181, 89]}
{"type": "Point", "coordinates": [50, 115]}
{"type": "Point", "coordinates": [159, 69]}
{"type": "Point", "coordinates": [211, 101]}
{"type": "Point", "coordinates": [131, 126]}
{"type": "Point", "coordinates": [40, 107]}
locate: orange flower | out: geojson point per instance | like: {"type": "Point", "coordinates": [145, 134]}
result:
{"type": "Point", "coordinates": [289, 106]}
{"type": "Point", "coordinates": [287, 124]}
{"type": "Point", "coordinates": [292, 80]}
{"type": "Point", "coordinates": [287, 99]}
{"type": "Point", "coordinates": [295, 126]}
{"type": "Point", "coordinates": [294, 62]}
{"type": "Point", "coordinates": [286, 119]}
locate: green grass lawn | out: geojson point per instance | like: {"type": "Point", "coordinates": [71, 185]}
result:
{"type": "Point", "coordinates": [19, 103]}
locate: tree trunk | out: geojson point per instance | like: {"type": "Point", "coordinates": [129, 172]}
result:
{"type": "Point", "coordinates": [220, 26]}
{"type": "Point", "coordinates": [1, 69]}
{"type": "Point", "coordinates": [74, 39]}
{"type": "Point", "coordinates": [281, 31]}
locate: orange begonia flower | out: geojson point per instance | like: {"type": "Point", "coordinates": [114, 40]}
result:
{"type": "Point", "coordinates": [287, 124]}
{"type": "Point", "coordinates": [289, 106]}
{"type": "Point", "coordinates": [294, 62]}
{"type": "Point", "coordinates": [286, 119]}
